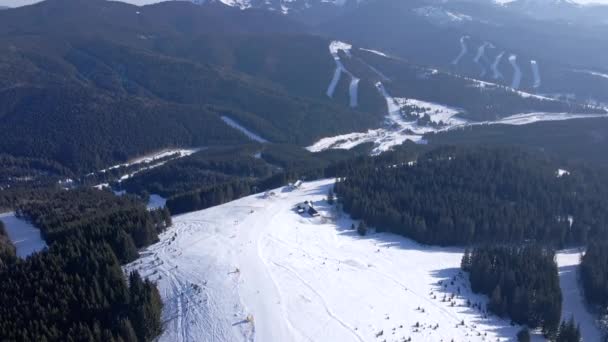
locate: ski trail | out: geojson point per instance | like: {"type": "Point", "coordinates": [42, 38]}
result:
{"type": "Point", "coordinates": [516, 72]}
{"type": "Point", "coordinates": [481, 54]}
{"type": "Point", "coordinates": [393, 108]}
{"type": "Point", "coordinates": [353, 91]}
{"type": "Point", "coordinates": [536, 73]}
{"type": "Point", "coordinates": [463, 50]}
{"type": "Point", "coordinates": [334, 48]}
{"type": "Point", "coordinates": [329, 312]}
{"type": "Point", "coordinates": [497, 73]}
{"type": "Point", "coordinates": [334, 81]}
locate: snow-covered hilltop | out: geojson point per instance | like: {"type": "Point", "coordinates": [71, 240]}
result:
{"type": "Point", "coordinates": [255, 269]}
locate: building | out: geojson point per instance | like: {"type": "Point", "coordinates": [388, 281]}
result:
{"type": "Point", "coordinates": [308, 208]}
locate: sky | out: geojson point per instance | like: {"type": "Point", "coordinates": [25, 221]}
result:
{"type": "Point", "coordinates": [17, 3]}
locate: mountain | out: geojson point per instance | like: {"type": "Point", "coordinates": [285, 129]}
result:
{"type": "Point", "coordinates": [98, 82]}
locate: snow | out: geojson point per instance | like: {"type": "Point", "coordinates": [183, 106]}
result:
{"type": "Point", "coordinates": [440, 16]}
{"type": "Point", "coordinates": [397, 129]}
{"type": "Point", "coordinates": [497, 74]}
{"type": "Point", "coordinates": [536, 73]}
{"type": "Point", "coordinates": [24, 235]}
{"type": "Point", "coordinates": [481, 55]}
{"type": "Point", "coordinates": [560, 173]}
{"type": "Point", "coordinates": [463, 49]}
{"type": "Point", "coordinates": [152, 157]}
{"type": "Point", "coordinates": [593, 73]}
{"type": "Point", "coordinates": [376, 52]}
{"type": "Point", "coordinates": [255, 270]}
{"type": "Point", "coordinates": [516, 72]}
{"type": "Point", "coordinates": [251, 135]}
{"type": "Point", "coordinates": [334, 48]}
{"type": "Point", "coordinates": [574, 304]}
{"type": "Point", "coordinates": [156, 202]}
{"type": "Point", "coordinates": [353, 91]}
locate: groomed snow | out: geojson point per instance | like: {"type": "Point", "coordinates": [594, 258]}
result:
{"type": "Point", "coordinates": [251, 135]}
{"type": "Point", "coordinates": [24, 235]}
{"type": "Point", "coordinates": [574, 303]}
{"type": "Point", "coordinates": [536, 73]}
{"type": "Point", "coordinates": [516, 72]}
{"type": "Point", "coordinates": [463, 50]}
{"type": "Point", "coordinates": [334, 49]}
{"type": "Point", "coordinates": [497, 75]}
{"type": "Point", "coordinates": [480, 56]}
{"type": "Point", "coordinates": [255, 270]}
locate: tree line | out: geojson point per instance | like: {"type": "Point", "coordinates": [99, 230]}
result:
{"type": "Point", "coordinates": [76, 290]}
{"type": "Point", "coordinates": [461, 196]}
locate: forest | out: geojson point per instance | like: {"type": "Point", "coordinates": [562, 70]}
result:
{"type": "Point", "coordinates": [462, 196]}
{"type": "Point", "coordinates": [522, 283]}
{"type": "Point", "coordinates": [75, 290]}
{"type": "Point", "coordinates": [594, 274]}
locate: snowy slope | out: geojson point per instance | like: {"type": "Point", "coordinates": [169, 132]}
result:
{"type": "Point", "coordinates": [24, 235]}
{"type": "Point", "coordinates": [574, 304]}
{"type": "Point", "coordinates": [254, 269]}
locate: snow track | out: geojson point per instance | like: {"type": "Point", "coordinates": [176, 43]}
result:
{"type": "Point", "coordinates": [353, 91]}
{"type": "Point", "coordinates": [480, 58]}
{"type": "Point", "coordinates": [516, 72]}
{"type": "Point", "coordinates": [255, 270]}
{"type": "Point", "coordinates": [574, 303]}
{"type": "Point", "coordinates": [497, 75]}
{"type": "Point", "coordinates": [463, 50]}
{"type": "Point", "coordinates": [251, 135]}
{"type": "Point", "coordinates": [334, 48]}
{"type": "Point", "coordinates": [536, 73]}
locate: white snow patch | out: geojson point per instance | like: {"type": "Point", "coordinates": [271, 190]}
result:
{"type": "Point", "coordinates": [251, 135]}
{"type": "Point", "coordinates": [397, 129]}
{"type": "Point", "coordinates": [156, 202]}
{"type": "Point", "coordinates": [516, 72]}
{"type": "Point", "coordinates": [376, 52]}
{"type": "Point", "coordinates": [254, 269]}
{"type": "Point", "coordinates": [560, 173]}
{"type": "Point", "coordinates": [149, 158]}
{"type": "Point", "coordinates": [536, 73]}
{"type": "Point", "coordinates": [23, 234]}
{"type": "Point", "coordinates": [440, 16]}
{"type": "Point", "coordinates": [574, 304]}
{"type": "Point", "coordinates": [593, 73]}
{"type": "Point", "coordinates": [463, 49]}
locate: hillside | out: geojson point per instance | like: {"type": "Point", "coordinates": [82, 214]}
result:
{"type": "Point", "coordinates": [95, 90]}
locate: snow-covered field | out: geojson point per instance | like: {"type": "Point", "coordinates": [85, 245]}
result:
{"type": "Point", "coordinates": [251, 135]}
{"type": "Point", "coordinates": [254, 269]}
{"type": "Point", "coordinates": [574, 302]}
{"type": "Point", "coordinates": [156, 202]}
{"type": "Point", "coordinates": [24, 235]}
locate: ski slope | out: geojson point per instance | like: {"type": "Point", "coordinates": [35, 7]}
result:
{"type": "Point", "coordinates": [255, 270]}
{"type": "Point", "coordinates": [23, 235]}
{"type": "Point", "coordinates": [463, 50]}
{"type": "Point", "coordinates": [334, 49]}
{"type": "Point", "coordinates": [251, 135]}
{"type": "Point", "coordinates": [574, 304]}
{"type": "Point", "coordinates": [516, 72]}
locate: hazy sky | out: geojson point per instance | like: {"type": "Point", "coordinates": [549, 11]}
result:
{"type": "Point", "coordinates": [16, 3]}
